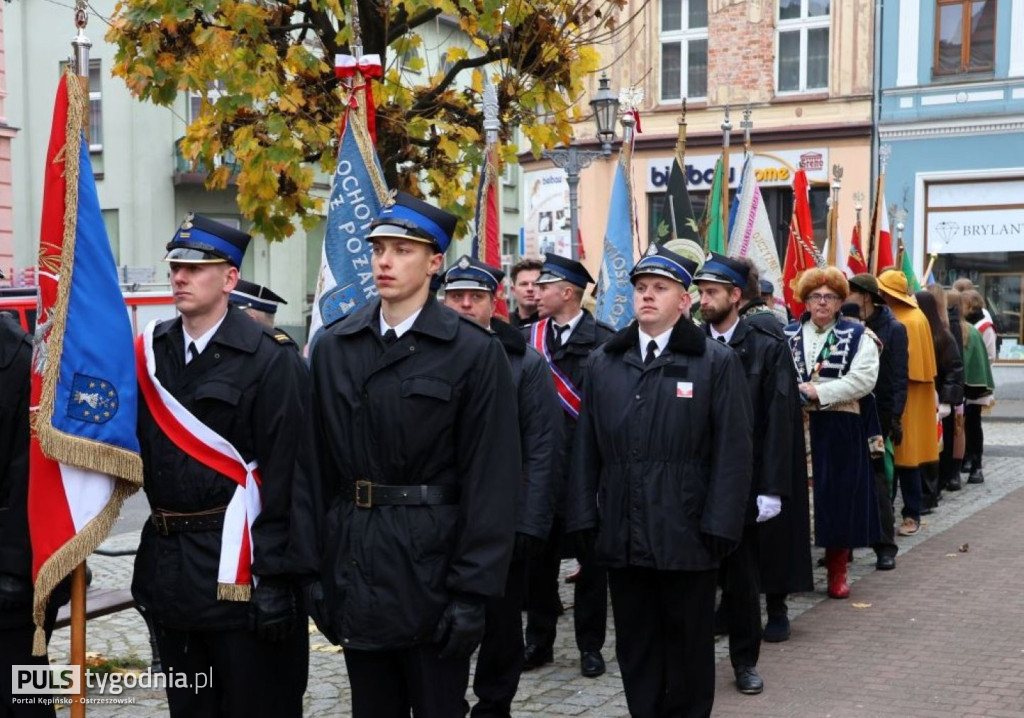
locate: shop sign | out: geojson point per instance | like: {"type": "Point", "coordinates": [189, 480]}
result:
{"type": "Point", "coordinates": [981, 229]}
{"type": "Point", "coordinates": [774, 169]}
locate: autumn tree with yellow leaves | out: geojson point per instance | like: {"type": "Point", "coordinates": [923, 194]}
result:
{"type": "Point", "coordinates": [279, 105]}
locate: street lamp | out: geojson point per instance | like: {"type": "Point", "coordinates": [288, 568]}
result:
{"type": "Point", "coordinates": [573, 160]}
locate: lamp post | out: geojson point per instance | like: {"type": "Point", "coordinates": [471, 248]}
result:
{"type": "Point", "coordinates": [573, 160]}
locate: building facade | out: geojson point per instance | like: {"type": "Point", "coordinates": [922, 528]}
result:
{"type": "Point", "coordinates": [952, 112]}
{"type": "Point", "coordinates": [804, 67]}
{"type": "Point", "coordinates": [7, 133]}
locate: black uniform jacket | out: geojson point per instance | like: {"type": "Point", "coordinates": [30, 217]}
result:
{"type": "Point", "coordinates": [251, 389]}
{"type": "Point", "coordinates": [571, 359]}
{"type": "Point", "coordinates": [15, 382]}
{"type": "Point", "coordinates": [891, 385]}
{"type": "Point", "coordinates": [436, 407]}
{"type": "Point", "coordinates": [540, 432]}
{"type": "Point", "coordinates": [663, 452]}
{"type": "Point", "coordinates": [771, 381]}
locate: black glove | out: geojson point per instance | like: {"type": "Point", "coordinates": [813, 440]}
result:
{"type": "Point", "coordinates": [581, 543]}
{"type": "Point", "coordinates": [273, 611]}
{"type": "Point", "coordinates": [526, 546]}
{"type": "Point", "coordinates": [896, 433]}
{"type": "Point", "coordinates": [461, 627]}
{"type": "Point", "coordinates": [15, 592]}
{"type": "Point", "coordinates": [718, 546]}
{"type": "Point", "coordinates": [316, 607]}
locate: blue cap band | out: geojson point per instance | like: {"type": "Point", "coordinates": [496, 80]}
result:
{"type": "Point", "coordinates": [472, 274]}
{"type": "Point", "coordinates": [723, 270]}
{"type": "Point", "coordinates": [199, 236]}
{"type": "Point", "coordinates": [562, 273]}
{"type": "Point", "coordinates": [422, 221]}
{"type": "Point", "coordinates": [659, 261]}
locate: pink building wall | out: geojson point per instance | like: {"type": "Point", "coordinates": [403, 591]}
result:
{"type": "Point", "coordinates": [6, 195]}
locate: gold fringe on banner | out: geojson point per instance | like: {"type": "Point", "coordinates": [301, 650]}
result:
{"type": "Point", "coordinates": [369, 154]}
{"type": "Point", "coordinates": [57, 445]}
{"type": "Point", "coordinates": [233, 592]}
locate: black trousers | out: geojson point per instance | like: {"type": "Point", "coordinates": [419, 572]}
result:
{"type": "Point", "coordinates": [948, 470]}
{"type": "Point", "coordinates": [974, 437]}
{"type": "Point", "coordinates": [250, 676]}
{"type": "Point", "coordinates": [741, 599]}
{"type": "Point", "coordinates": [590, 610]}
{"type": "Point", "coordinates": [390, 684]}
{"type": "Point", "coordinates": [665, 640]}
{"type": "Point", "coordinates": [500, 660]}
{"type": "Point", "coordinates": [887, 545]}
{"type": "Point", "coordinates": [15, 650]}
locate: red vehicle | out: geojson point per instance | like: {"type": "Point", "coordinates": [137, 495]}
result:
{"type": "Point", "coordinates": [142, 306]}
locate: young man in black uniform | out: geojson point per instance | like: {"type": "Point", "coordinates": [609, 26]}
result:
{"type": "Point", "coordinates": [412, 411]}
{"type": "Point", "coordinates": [771, 382]}
{"type": "Point", "coordinates": [565, 335]}
{"type": "Point", "coordinates": [220, 431]}
{"type": "Point", "coordinates": [469, 288]}
{"type": "Point", "coordinates": [16, 625]}
{"type": "Point", "coordinates": [659, 484]}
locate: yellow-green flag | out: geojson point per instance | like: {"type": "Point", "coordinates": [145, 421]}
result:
{"type": "Point", "coordinates": [908, 269]}
{"type": "Point", "coordinates": [715, 238]}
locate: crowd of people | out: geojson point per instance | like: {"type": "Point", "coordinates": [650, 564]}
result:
{"type": "Point", "coordinates": [422, 479]}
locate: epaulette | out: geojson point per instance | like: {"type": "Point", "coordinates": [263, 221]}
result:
{"type": "Point", "coordinates": [283, 338]}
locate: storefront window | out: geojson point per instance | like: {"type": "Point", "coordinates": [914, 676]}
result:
{"type": "Point", "coordinates": [998, 276]}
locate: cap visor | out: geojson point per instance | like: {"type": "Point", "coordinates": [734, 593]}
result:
{"type": "Point", "coordinates": [186, 255]}
{"type": "Point", "coordinates": [466, 284]}
{"type": "Point", "coordinates": [657, 273]}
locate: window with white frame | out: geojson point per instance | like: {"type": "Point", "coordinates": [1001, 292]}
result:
{"type": "Point", "coordinates": [802, 56]}
{"type": "Point", "coordinates": [95, 105]}
{"type": "Point", "coordinates": [684, 49]}
{"type": "Point", "coordinates": [195, 100]}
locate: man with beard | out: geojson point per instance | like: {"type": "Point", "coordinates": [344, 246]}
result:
{"type": "Point", "coordinates": [771, 382]}
{"type": "Point", "coordinates": [469, 288]}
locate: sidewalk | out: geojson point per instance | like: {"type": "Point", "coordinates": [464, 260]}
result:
{"type": "Point", "coordinates": [943, 634]}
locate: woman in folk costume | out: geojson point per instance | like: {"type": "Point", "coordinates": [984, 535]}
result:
{"type": "Point", "coordinates": [919, 445]}
{"type": "Point", "coordinates": [979, 388]}
{"type": "Point", "coordinates": [836, 365]}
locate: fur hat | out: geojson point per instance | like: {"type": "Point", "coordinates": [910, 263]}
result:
{"type": "Point", "coordinates": [829, 277]}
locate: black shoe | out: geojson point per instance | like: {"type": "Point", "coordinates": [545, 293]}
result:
{"type": "Point", "coordinates": [885, 563]}
{"type": "Point", "coordinates": [976, 476]}
{"type": "Point", "coordinates": [591, 664]}
{"type": "Point", "coordinates": [953, 483]}
{"type": "Point", "coordinates": [748, 682]}
{"type": "Point", "coordinates": [535, 656]}
{"type": "Point", "coordinates": [968, 465]}
{"type": "Point", "coordinates": [776, 630]}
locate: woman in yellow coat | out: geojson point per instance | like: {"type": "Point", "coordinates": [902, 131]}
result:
{"type": "Point", "coordinates": [920, 440]}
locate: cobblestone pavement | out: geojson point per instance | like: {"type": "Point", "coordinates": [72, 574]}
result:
{"type": "Point", "coordinates": [935, 667]}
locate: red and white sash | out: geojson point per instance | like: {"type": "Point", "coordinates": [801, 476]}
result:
{"type": "Point", "coordinates": [568, 395]}
{"type": "Point", "coordinates": [234, 575]}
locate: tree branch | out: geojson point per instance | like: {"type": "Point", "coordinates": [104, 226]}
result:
{"type": "Point", "coordinates": [399, 29]}
{"type": "Point", "coordinates": [427, 99]}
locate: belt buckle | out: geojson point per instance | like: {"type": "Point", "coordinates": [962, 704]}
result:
{"type": "Point", "coordinates": [364, 494]}
{"type": "Point", "coordinates": [160, 522]}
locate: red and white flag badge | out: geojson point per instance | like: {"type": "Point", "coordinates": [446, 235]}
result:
{"type": "Point", "coordinates": [684, 389]}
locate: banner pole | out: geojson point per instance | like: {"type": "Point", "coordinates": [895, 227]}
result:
{"type": "Point", "coordinates": [78, 635]}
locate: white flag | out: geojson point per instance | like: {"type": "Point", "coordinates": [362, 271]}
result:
{"type": "Point", "coordinates": [752, 232]}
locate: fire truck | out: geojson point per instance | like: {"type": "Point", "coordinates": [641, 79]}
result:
{"type": "Point", "coordinates": [143, 303]}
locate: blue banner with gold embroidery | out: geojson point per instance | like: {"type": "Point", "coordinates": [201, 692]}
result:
{"type": "Point", "coordinates": [614, 290]}
{"type": "Point", "coordinates": [357, 194]}
{"type": "Point", "coordinates": [84, 452]}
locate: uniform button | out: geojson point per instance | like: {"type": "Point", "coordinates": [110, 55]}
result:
{"type": "Point", "coordinates": [216, 356]}
{"type": "Point", "coordinates": [412, 349]}
{"type": "Point", "coordinates": [344, 640]}
{"type": "Point", "coordinates": [354, 562]}
{"type": "Point", "coordinates": [638, 397]}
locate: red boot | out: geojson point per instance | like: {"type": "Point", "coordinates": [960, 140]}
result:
{"type": "Point", "coordinates": [835, 562]}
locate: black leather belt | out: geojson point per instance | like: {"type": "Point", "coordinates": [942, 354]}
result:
{"type": "Point", "coordinates": [366, 495]}
{"type": "Point", "coordinates": [169, 522]}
